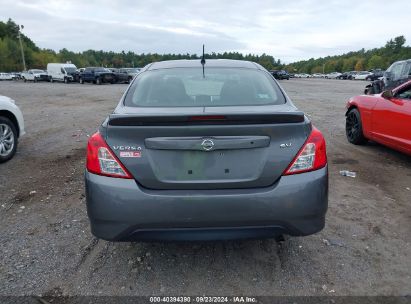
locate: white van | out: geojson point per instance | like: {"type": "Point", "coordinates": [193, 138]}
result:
{"type": "Point", "coordinates": [65, 72]}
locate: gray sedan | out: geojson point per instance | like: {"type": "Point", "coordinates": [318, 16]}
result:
{"type": "Point", "coordinates": [205, 151]}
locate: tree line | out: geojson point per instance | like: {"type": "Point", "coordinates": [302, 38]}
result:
{"type": "Point", "coordinates": [10, 56]}
{"type": "Point", "coordinates": [377, 58]}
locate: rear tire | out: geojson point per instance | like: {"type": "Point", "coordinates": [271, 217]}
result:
{"type": "Point", "coordinates": [98, 80]}
{"type": "Point", "coordinates": [8, 144]}
{"type": "Point", "coordinates": [353, 128]}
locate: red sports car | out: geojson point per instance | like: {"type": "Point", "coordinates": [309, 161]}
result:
{"type": "Point", "coordinates": [384, 118]}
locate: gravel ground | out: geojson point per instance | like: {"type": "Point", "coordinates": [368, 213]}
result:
{"type": "Point", "coordinates": [47, 247]}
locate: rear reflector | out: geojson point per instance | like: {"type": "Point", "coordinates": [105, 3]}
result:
{"type": "Point", "coordinates": [312, 156]}
{"type": "Point", "coordinates": [102, 161]}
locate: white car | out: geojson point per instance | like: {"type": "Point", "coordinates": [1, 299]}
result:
{"type": "Point", "coordinates": [11, 128]}
{"type": "Point", "coordinates": [362, 75]}
{"type": "Point", "coordinates": [318, 75]}
{"type": "Point", "coordinates": [6, 76]}
{"type": "Point", "coordinates": [333, 75]}
{"type": "Point", "coordinates": [303, 75]}
{"type": "Point", "coordinates": [35, 75]}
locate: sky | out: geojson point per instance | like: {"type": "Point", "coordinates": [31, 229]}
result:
{"type": "Point", "coordinates": [288, 30]}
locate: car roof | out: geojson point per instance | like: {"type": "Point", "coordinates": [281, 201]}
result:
{"type": "Point", "coordinates": [210, 63]}
{"type": "Point", "coordinates": [402, 61]}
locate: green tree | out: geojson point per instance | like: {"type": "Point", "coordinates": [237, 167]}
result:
{"type": "Point", "coordinates": [359, 66]}
{"type": "Point", "coordinates": [375, 62]}
{"type": "Point", "coordinates": [349, 64]}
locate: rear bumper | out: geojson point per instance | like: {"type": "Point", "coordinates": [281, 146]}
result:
{"type": "Point", "coordinates": [121, 210]}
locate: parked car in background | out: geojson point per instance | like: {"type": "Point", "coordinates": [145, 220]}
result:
{"type": "Point", "coordinates": [35, 75]}
{"type": "Point", "coordinates": [376, 74]}
{"type": "Point", "coordinates": [346, 75]}
{"type": "Point", "coordinates": [119, 76]}
{"type": "Point", "coordinates": [11, 128]}
{"type": "Point", "coordinates": [398, 73]}
{"type": "Point", "coordinates": [180, 160]}
{"type": "Point", "coordinates": [65, 72]}
{"type": "Point", "coordinates": [131, 72]}
{"type": "Point", "coordinates": [280, 74]}
{"type": "Point", "coordinates": [298, 75]}
{"type": "Point", "coordinates": [15, 75]}
{"type": "Point", "coordinates": [333, 75]}
{"type": "Point", "coordinates": [384, 118]}
{"type": "Point", "coordinates": [6, 76]}
{"type": "Point", "coordinates": [352, 75]}
{"type": "Point", "coordinates": [97, 75]}
{"type": "Point", "coordinates": [304, 75]}
{"type": "Point", "coordinates": [362, 75]}
{"type": "Point", "coordinates": [318, 75]}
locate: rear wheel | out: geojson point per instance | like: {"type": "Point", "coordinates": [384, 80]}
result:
{"type": "Point", "coordinates": [98, 80]}
{"type": "Point", "coordinates": [8, 139]}
{"type": "Point", "coordinates": [353, 128]}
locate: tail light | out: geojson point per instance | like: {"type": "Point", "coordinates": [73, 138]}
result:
{"type": "Point", "coordinates": [312, 156]}
{"type": "Point", "coordinates": [102, 161]}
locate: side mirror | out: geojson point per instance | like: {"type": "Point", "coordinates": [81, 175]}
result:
{"type": "Point", "coordinates": [387, 94]}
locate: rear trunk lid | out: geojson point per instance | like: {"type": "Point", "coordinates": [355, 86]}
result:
{"type": "Point", "coordinates": [207, 147]}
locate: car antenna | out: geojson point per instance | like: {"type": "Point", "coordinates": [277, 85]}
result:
{"type": "Point", "coordinates": [203, 61]}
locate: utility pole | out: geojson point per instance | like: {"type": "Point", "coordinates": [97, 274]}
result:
{"type": "Point", "coordinates": [21, 48]}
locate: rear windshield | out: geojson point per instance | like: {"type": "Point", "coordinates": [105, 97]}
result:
{"type": "Point", "coordinates": [186, 87]}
